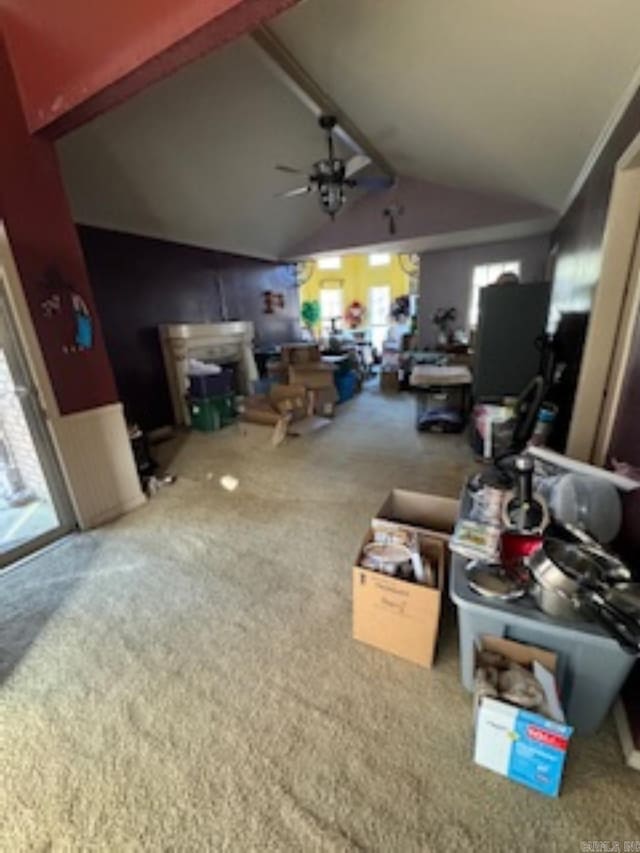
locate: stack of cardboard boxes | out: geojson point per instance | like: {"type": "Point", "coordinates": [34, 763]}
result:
{"type": "Point", "coordinates": [303, 365]}
{"type": "Point", "coordinates": [302, 398]}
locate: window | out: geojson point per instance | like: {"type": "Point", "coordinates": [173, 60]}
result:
{"type": "Point", "coordinates": [330, 307]}
{"type": "Point", "coordinates": [379, 259]}
{"type": "Point", "coordinates": [482, 276]}
{"type": "Point", "coordinates": [379, 310]}
{"type": "Point", "coordinates": [330, 262]}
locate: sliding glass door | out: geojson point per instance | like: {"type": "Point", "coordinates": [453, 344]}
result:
{"type": "Point", "coordinates": [34, 507]}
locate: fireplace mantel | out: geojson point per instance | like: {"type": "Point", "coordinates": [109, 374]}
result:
{"type": "Point", "coordinates": [223, 343]}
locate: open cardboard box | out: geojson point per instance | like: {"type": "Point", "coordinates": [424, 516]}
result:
{"type": "Point", "coordinates": [324, 401]}
{"type": "Point", "coordinates": [522, 745]}
{"type": "Point", "coordinates": [433, 515]}
{"type": "Point", "coordinates": [399, 616]}
{"type": "Point", "coordinates": [289, 409]}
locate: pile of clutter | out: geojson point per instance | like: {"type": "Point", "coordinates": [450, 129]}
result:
{"type": "Point", "coordinates": [289, 409]}
{"type": "Point", "coordinates": [338, 376]}
{"type": "Point", "coordinates": [301, 391]}
{"type": "Point", "coordinates": [211, 396]}
{"type": "Point", "coordinates": [520, 728]}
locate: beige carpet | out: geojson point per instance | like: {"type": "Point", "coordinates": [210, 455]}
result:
{"type": "Point", "coordinates": [185, 679]}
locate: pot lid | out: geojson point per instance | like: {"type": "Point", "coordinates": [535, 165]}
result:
{"type": "Point", "coordinates": [491, 581]}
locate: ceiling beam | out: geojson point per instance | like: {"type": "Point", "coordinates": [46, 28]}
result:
{"type": "Point", "coordinates": [299, 81]}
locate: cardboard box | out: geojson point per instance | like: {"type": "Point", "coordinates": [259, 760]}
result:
{"type": "Point", "coordinates": [431, 514]}
{"type": "Point", "coordinates": [257, 409]}
{"type": "Point", "coordinates": [299, 353]}
{"type": "Point", "coordinates": [389, 381]}
{"type": "Point", "coordinates": [522, 745]}
{"type": "Point", "coordinates": [313, 375]}
{"type": "Point", "coordinates": [290, 400]}
{"type": "Point", "coordinates": [278, 371]}
{"type": "Point", "coordinates": [324, 401]}
{"type": "Point", "coordinates": [283, 407]}
{"type": "Point", "coordinates": [399, 616]}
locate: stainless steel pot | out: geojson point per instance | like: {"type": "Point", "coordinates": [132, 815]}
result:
{"type": "Point", "coordinates": [571, 581]}
{"type": "Point", "coordinates": [559, 571]}
{"type": "Point", "coordinates": [555, 602]}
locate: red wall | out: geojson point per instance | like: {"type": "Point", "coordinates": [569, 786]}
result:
{"type": "Point", "coordinates": [43, 237]}
{"type": "Point", "coordinates": [73, 59]}
{"type": "Point", "coordinates": [67, 52]}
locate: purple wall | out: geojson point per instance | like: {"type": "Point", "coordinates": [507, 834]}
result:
{"type": "Point", "coordinates": [140, 283]}
{"type": "Point", "coordinates": [430, 209]}
{"type": "Point", "coordinates": [445, 276]}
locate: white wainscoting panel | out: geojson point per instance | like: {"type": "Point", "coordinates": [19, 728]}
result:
{"type": "Point", "coordinates": [98, 464]}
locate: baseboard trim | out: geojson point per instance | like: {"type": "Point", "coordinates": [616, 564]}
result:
{"type": "Point", "coordinates": [115, 512]}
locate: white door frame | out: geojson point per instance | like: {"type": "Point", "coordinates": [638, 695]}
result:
{"type": "Point", "coordinates": [613, 317]}
{"type": "Point", "coordinates": [92, 446]}
{"type": "Point", "coordinates": [35, 420]}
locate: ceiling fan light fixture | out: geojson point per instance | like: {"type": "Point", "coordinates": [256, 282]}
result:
{"type": "Point", "coordinates": [331, 175]}
{"type": "Point", "coordinates": [331, 197]}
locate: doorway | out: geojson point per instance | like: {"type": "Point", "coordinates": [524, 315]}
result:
{"type": "Point", "coordinates": [379, 313]}
{"type": "Point", "coordinates": [34, 506]}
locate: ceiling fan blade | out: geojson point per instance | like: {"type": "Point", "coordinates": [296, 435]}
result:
{"type": "Point", "coordinates": [355, 163]}
{"type": "Point", "coordinates": [291, 170]}
{"type": "Point", "coordinates": [296, 191]}
{"type": "Point", "coordinates": [374, 182]}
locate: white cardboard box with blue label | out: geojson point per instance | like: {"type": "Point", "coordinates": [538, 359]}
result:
{"type": "Point", "coordinates": [524, 745]}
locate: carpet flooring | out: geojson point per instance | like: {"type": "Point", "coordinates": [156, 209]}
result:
{"type": "Point", "coordinates": [185, 678]}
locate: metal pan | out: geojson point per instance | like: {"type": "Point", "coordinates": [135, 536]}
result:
{"type": "Point", "coordinates": [569, 582]}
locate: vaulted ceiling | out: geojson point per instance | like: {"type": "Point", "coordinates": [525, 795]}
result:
{"type": "Point", "coordinates": [504, 98]}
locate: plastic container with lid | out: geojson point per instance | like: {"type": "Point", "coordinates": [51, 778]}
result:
{"type": "Point", "coordinates": [591, 665]}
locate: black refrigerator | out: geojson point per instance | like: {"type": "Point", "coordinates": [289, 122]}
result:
{"type": "Point", "coordinates": [511, 330]}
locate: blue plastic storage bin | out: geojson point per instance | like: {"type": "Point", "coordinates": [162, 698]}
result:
{"type": "Point", "coordinates": [346, 385]}
{"type": "Point", "coordinates": [591, 666]}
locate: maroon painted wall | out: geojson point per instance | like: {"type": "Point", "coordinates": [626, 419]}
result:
{"type": "Point", "coordinates": [33, 206]}
{"type": "Point", "coordinates": [75, 59]}
{"type": "Point", "coordinates": [140, 283]}
{"type": "Point", "coordinates": [580, 231]}
{"type": "Point", "coordinates": [579, 236]}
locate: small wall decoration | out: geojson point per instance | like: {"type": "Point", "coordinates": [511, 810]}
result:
{"type": "Point", "coordinates": [52, 305]}
{"type": "Point", "coordinates": [84, 324]}
{"type": "Point", "coordinates": [354, 315]}
{"type": "Point", "coordinates": [273, 301]}
{"type": "Point", "coordinates": [65, 307]}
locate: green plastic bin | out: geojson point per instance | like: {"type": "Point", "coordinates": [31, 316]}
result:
{"type": "Point", "coordinates": [212, 413]}
{"type": "Point", "coordinates": [225, 406]}
{"type": "Point", "coordinates": [205, 415]}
